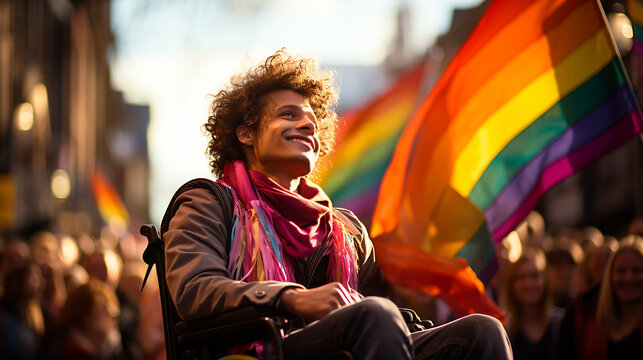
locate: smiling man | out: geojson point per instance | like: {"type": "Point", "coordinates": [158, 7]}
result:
{"type": "Point", "coordinates": [287, 247]}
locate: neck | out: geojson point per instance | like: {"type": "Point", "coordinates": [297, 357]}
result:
{"type": "Point", "coordinates": [631, 308]}
{"type": "Point", "coordinates": [286, 182]}
{"type": "Point", "coordinates": [284, 178]}
{"type": "Point", "coordinates": [531, 312]}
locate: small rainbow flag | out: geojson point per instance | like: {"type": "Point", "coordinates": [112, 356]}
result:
{"type": "Point", "coordinates": [109, 203]}
{"type": "Point", "coordinates": [635, 10]}
{"type": "Point", "coordinates": [351, 176]}
{"type": "Point", "coordinates": [537, 92]}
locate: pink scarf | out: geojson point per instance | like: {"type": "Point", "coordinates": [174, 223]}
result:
{"type": "Point", "coordinates": [271, 220]}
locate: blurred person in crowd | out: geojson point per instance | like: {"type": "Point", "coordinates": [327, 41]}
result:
{"type": "Point", "coordinates": [15, 253]}
{"type": "Point", "coordinates": [21, 319]}
{"type": "Point", "coordinates": [594, 263]}
{"type": "Point", "coordinates": [89, 323]}
{"type": "Point", "coordinates": [504, 249]}
{"type": "Point", "coordinates": [45, 250]}
{"type": "Point", "coordinates": [533, 321]}
{"type": "Point", "coordinates": [563, 259]}
{"type": "Point", "coordinates": [581, 314]}
{"type": "Point", "coordinates": [75, 275]}
{"type": "Point", "coordinates": [151, 333]}
{"type": "Point", "coordinates": [606, 323]}
{"type": "Point", "coordinates": [620, 305]}
{"type": "Point", "coordinates": [103, 264]}
{"type": "Point", "coordinates": [106, 265]}
{"type": "Point", "coordinates": [128, 293]}
{"type": "Point", "coordinates": [590, 237]}
{"type": "Point", "coordinates": [636, 227]}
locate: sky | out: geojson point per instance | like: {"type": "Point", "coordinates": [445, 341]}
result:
{"type": "Point", "coordinates": [172, 54]}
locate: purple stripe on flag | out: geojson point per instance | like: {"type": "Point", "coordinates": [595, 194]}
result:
{"type": "Point", "coordinates": [361, 204]}
{"type": "Point", "coordinates": [638, 47]}
{"type": "Point", "coordinates": [596, 122]}
{"type": "Point", "coordinates": [489, 271]}
{"type": "Point", "coordinates": [567, 166]}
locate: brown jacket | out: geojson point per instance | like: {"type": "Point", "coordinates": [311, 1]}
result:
{"type": "Point", "coordinates": [196, 257]}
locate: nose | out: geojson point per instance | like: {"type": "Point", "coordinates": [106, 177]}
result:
{"type": "Point", "coordinates": [308, 125]}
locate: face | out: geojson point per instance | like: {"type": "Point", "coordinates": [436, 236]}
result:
{"type": "Point", "coordinates": [627, 277]}
{"type": "Point", "coordinates": [560, 277]}
{"type": "Point", "coordinates": [34, 284]}
{"type": "Point", "coordinates": [285, 144]}
{"type": "Point", "coordinates": [529, 284]}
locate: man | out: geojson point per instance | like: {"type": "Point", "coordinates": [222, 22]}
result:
{"type": "Point", "coordinates": [288, 247]}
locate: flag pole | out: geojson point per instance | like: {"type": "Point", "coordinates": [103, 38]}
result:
{"type": "Point", "coordinates": [636, 181]}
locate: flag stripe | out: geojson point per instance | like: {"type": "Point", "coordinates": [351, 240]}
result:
{"type": "Point", "coordinates": [598, 121]}
{"type": "Point", "coordinates": [455, 222]}
{"type": "Point", "coordinates": [490, 48]}
{"type": "Point", "coordinates": [526, 106]}
{"type": "Point", "coordinates": [544, 130]}
{"type": "Point", "coordinates": [365, 144]}
{"type": "Point", "coordinates": [367, 179]}
{"type": "Point", "coordinates": [635, 9]}
{"type": "Point", "coordinates": [363, 129]}
{"type": "Point", "coordinates": [362, 203]}
{"type": "Point", "coordinates": [378, 155]}
{"type": "Point", "coordinates": [406, 86]}
{"type": "Point", "coordinates": [109, 203]}
{"type": "Point", "coordinates": [638, 31]}
{"type": "Point", "coordinates": [479, 250]}
{"type": "Point", "coordinates": [529, 76]}
{"type": "Point", "coordinates": [514, 45]}
{"type": "Point", "coordinates": [569, 165]}
{"type": "Point", "coordinates": [381, 127]}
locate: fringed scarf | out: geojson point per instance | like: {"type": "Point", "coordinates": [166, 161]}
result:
{"type": "Point", "coordinates": [271, 221]}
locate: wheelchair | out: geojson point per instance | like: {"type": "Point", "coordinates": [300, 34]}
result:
{"type": "Point", "coordinates": [213, 337]}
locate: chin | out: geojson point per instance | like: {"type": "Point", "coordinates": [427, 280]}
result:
{"type": "Point", "coordinates": [304, 165]}
{"type": "Point", "coordinates": [304, 170]}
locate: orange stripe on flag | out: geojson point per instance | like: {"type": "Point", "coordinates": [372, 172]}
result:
{"type": "Point", "coordinates": [109, 203]}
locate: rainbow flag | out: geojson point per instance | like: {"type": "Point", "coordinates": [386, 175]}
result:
{"type": "Point", "coordinates": [351, 176]}
{"type": "Point", "coordinates": [109, 203]}
{"type": "Point", "coordinates": [536, 93]}
{"type": "Point", "coordinates": [635, 10]}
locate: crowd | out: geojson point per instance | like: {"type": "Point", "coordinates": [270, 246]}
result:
{"type": "Point", "coordinates": [575, 295]}
{"type": "Point", "coordinates": [66, 298]}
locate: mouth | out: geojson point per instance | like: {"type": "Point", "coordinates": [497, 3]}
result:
{"type": "Point", "coordinates": [305, 140]}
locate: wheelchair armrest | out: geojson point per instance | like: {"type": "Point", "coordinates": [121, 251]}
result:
{"type": "Point", "coordinates": [233, 327]}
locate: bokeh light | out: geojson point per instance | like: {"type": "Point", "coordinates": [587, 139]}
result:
{"type": "Point", "coordinates": [24, 116]}
{"type": "Point", "coordinates": [60, 184]}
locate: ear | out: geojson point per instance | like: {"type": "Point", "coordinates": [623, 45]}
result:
{"type": "Point", "coordinates": [245, 135]}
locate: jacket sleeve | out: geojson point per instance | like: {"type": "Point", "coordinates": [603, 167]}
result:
{"type": "Point", "coordinates": [196, 261]}
{"type": "Point", "coordinates": [371, 279]}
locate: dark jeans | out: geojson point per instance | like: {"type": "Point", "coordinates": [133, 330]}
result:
{"type": "Point", "coordinates": [374, 329]}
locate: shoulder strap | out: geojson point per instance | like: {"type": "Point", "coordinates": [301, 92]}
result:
{"type": "Point", "coordinates": [218, 190]}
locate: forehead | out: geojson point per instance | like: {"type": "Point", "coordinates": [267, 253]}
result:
{"type": "Point", "coordinates": [527, 266]}
{"type": "Point", "coordinates": [628, 258]}
{"type": "Point", "coordinates": [278, 98]}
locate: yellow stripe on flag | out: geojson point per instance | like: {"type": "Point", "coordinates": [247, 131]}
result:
{"type": "Point", "coordinates": [527, 106]}
{"type": "Point", "coordinates": [380, 128]}
{"type": "Point", "coordinates": [635, 10]}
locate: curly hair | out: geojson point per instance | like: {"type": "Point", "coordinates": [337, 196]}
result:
{"type": "Point", "coordinates": [241, 104]}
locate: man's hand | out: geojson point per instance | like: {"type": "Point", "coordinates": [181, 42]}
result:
{"type": "Point", "coordinates": [313, 304]}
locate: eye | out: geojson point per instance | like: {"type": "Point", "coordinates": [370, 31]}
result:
{"type": "Point", "coordinates": [288, 114]}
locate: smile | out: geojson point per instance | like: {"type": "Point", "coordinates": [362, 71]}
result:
{"type": "Point", "coordinates": [302, 140]}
